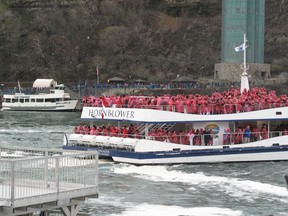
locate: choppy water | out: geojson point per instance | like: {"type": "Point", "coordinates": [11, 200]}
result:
{"type": "Point", "coordinates": [235, 189]}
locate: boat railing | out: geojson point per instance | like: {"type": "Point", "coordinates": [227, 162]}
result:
{"type": "Point", "coordinates": [202, 109]}
{"type": "Point", "coordinates": [238, 137]}
{"type": "Point", "coordinates": [214, 139]}
{"type": "Point", "coordinates": [211, 138]}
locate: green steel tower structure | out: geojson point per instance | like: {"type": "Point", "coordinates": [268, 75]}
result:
{"type": "Point", "coordinates": [241, 17]}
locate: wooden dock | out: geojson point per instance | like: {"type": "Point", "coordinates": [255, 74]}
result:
{"type": "Point", "coordinates": [46, 180]}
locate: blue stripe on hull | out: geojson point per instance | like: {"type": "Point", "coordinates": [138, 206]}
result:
{"type": "Point", "coordinates": [178, 154]}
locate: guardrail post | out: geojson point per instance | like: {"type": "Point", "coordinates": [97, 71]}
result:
{"type": "Point", "coordinates": [96, 169]}
{"type": "Point", "coordinates": [57, 178]}
{"type": "Point", "coordinates": [46, 169]}
{"type": "Point", "coordinates": [12, 182]}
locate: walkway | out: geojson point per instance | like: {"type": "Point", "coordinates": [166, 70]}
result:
{"type": "Point", "coordinates": [43, 180]}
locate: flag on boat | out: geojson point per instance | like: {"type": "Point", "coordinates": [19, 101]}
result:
{"type": "Point", "coordinates": [104, 104]}
{"type": "Point", "coordinates": [104, 101]}
{"type": "Point", "coordinates": [241, 48]}
{"type": "Point", "coordinates": [97, 74]}
{"type": "Point", "coordinates": [19, 86]}
{"type": "Point", "coordinates": [97, 71]}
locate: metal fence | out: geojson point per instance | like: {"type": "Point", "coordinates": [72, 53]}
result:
{"type": "Point", "coordinates": [43, 175]}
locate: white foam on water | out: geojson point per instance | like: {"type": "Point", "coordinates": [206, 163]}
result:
{"type": "Point", "coordinates": [144, 209]}
{"type": "Point", "coordinates": [106, 161]}
{"type": "Point", "coordinates": [160, 210]}
{"type": "Point", "coordinates": [107, 200]}
{"type": "Point", "coordinates": [233, 186]}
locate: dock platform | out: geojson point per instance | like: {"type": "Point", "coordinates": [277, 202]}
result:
{"type": "Point", "coordinates": [46, 180]}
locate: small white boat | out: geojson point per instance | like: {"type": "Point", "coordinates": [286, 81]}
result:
{"type": "Point", "coordinates": [56, 100]}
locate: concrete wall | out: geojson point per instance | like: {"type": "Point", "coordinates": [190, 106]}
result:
{"type": "Point", "coordinates": [233, 71]}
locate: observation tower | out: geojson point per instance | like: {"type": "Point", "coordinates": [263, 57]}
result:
{"type": "Point", "coordinates": [245, 17]}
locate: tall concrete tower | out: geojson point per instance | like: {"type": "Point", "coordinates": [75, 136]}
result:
{"type": "Point", "coordinates": [241, 17]}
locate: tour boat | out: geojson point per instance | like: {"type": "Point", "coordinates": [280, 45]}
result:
{"type": "Point", "coordinates": [56, 100]}
{"type": "Point", "coordinates": [144, 150]}
{"type": "Point", "coordinates": [225, 142]}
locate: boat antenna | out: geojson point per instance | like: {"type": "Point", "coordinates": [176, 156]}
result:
{"type": "Point", "coordinates": [244, 75]}
{"type": "Point", "coordinates": [19, 86]}
{"type": "Point", "coordinates": [97, 74]}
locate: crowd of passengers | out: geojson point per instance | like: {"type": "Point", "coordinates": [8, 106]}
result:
{"type": "Point", "coordinates": [190, 137]}
{"type": "Point", "coordinates": [230, 101]}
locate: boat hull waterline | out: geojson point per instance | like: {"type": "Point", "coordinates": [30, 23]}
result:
{"type": "Point", "coordinates": [275, 153]}
{"type": "Point", "coordinates": [266, 150]}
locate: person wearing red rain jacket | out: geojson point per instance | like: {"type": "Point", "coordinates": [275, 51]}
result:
{"type": "Point", "coordinates": [92, 130]}
{"type": "Point", "coordinates": [174, 137]}
{"type": "Point", "coordinates": [105, 132]}
{"type": "Point", "coordinates": [125, 132]}
{"type": "Point", "coordinates": [264, 132]}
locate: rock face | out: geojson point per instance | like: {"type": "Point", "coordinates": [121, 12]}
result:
{"type": "Point", "coordinates": [153, 40]}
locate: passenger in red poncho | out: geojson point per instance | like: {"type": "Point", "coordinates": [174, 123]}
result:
{"type": "Point", "coordinates": [92, 130]}
{"type": "Point", "coordinates": [190, 136]}
{"type": "Point", "coordinates": [124, 132]}
{"type": "Point", "coordinates": [174, 137]}
{"type": "Point", "coordinates": [197, 138]}
{"type": "Point", "coordinates": [264, 132]}
{"type": "Point", "coordinates": [105, 132]}
{"type": "Point", "coordinates": [238, 136]}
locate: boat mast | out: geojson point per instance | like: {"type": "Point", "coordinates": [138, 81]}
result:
{"type": "Point", "coordinates": [244, 75]}
{"type": "Point", "coordinates": [19, 87]}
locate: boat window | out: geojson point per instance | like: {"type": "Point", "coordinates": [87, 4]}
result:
{"type": "Point", "coordinates": [32, 99]}
{"type": "Point", "coordinates": [60, 88]}
{"type": "Point", "coordinates": [8, 100]}
{"type": "Point", "coordinates": [26, 100]}
{"type": "Point", "coordinates": [39, 100]}
{"type": "Point", "coordinates": [21, 100]}
{"type": "Point", "coordinates": [14, 100]}
{"type": "Point", "coordinates": [51, 100]}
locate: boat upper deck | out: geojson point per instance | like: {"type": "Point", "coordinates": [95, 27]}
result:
{"type": "Point", "coordinates": [162, 116]}
{"type": "Point", "coordinates": [228, 102]}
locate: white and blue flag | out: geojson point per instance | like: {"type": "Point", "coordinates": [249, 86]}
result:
{"type": "Point", "coordinates": [241, 48]}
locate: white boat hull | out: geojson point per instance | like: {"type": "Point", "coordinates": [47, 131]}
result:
{"type": "Point", "coordinates": [149, 152]}
{"type": "Point", "coordinates": [59, 106]}
{"type": "Point", "coordinates": [256, 157]}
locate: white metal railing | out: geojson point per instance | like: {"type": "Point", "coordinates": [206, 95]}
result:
{"type": "Point", "coordinates": [32, 173]}
{"type": "Point", "coordinates": [205, 109]}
